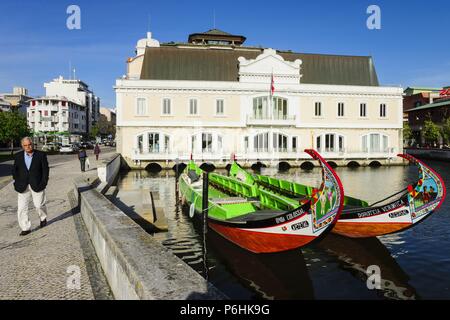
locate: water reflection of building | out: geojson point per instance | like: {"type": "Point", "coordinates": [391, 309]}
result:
{"type": "Point", "coordinates": [211, 97]}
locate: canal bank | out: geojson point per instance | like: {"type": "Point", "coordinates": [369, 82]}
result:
{"type": "Point", "coordinates": [135, 264]}
{"type": "Point", "coordinates": [336, 267]}
{"type": "Point", "coordinates": [430, 153]}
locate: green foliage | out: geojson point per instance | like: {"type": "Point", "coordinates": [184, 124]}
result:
{"type": "Point", "coordinates": [94, 131]}
{"type": "Point", "coordinates": [13, 127]}
{"type": "Point", "coordinates": [431, 131]}
{"type": "Point", "coordinates": [407, 132]}
{"type": "Point", "coordinates": [446, 130]}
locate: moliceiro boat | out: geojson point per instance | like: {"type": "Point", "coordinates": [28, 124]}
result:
{"type": "Point", "coordinates": [261, 221]}
{"type": "Point", "coordinates": [361, 220]}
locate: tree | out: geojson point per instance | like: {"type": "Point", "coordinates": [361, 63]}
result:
{"type": "Point", "coordinates": [13, 127]}
{"type": "Point", "coordinates": [407, 132]}
{"type": "Point", "coordinates": [94, 131]}
{"type": "Point", "coordinates": [431, 131]}
{"type": "Point", "coordinates": [446, 130]}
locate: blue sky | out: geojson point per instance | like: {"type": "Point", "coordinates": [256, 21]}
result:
{"type": "Point", "coordinates": [411, 49]}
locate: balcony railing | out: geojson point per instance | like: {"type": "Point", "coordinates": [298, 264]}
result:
{"type": "Point", "coordinates": [273, 120]}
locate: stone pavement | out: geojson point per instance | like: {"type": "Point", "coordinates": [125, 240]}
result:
{"type": "Point", "coordinates": [58, 261]}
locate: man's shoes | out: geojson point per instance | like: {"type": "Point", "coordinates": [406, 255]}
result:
{"type": "Point", "coordinates": [43, 223]}
{"type": "Point", "coordinates": [24, 233]}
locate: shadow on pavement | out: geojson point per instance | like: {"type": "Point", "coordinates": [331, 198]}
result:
{"type": "Point", "coordinates": [5, 169]}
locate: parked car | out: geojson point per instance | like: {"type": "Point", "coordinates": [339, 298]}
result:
{"type": "Point", "coordinates": [68, 148]}
{"type": "Point", "coordinates": [50, 146]}
{"type": "Point", "coordinates": [87, 145]}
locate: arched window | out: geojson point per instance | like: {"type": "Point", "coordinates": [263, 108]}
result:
{"type": "Point", "coordinates": [280, 142]}
{"type": "Point", "coordinates": [375, 142]}
{"type": "Point", "coordinates": [153, 142]}
{"type": "Point", "coordinates": [330, 142]}
{"type": "Point", "coordinates": [261, 142]}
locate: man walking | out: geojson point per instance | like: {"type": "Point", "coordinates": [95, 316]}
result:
{"type": "Point", "coordinates": [97, 151]}
{"type": "Point", "coordinates": [30, 174]}
{"type": "Point", "coordinates": [82, 156]}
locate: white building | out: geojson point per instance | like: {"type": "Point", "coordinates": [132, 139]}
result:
{"type": "Point", "coordinates": [78, 92]}
{"type": "Point", "coordinates": [5, 106]}
{"type": "Point", "coordinates": [18, 99]}
{"type": "Point", "coordinates": [56, 115]}
{"type": "Point", "coordinates": [211, 98]}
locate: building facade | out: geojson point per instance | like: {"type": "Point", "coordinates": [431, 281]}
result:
{"type": "Point", "coordinates": [18, 99]}
{"type": "Point", "coordinates": [78, 92]}
{"type": "Point", "coordinates": [212, 97]}
{"type": "Point", "coordinates": [437, 110]}
{"type": "Point", "coordinates": [56, 115]}
{"type": "Point", "coordinates": [5, 106]}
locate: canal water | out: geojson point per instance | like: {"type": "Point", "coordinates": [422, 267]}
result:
{"type": "Point", "coordinates": [414, 264]}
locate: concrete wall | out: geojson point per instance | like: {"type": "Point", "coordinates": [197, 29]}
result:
{"type": "Point", "coordinates": [109, 169]}
{"type": "Point", "coordinates": [136, 265]}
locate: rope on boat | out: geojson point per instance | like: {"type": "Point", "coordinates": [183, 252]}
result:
{"type": "Point", "coordinates": [397, 193]}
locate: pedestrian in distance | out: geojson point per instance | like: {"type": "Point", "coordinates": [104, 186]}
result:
{"type": "Point", "coordinates": [97, 151]}
{"type": "Point", "coordinates": [30, 174]}
{"type": "Point", "coordinates": [82, 156]}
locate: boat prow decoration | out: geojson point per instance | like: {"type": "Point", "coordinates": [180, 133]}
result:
{"type": "Point", "coordinates": [261, 221]}
{"type": "Point", "coordinates": [417, 202]}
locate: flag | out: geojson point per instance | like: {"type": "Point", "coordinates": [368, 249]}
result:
{"type": "Point", "coordinates": [272, 86]}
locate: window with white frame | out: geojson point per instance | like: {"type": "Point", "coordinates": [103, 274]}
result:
{"type": "Point", "coordinates": [318, 109]}
{"type": "Point", "coordinates": [278, 108]}
{"type": "Point", "coordinates": [140, 143]}
{"type": "Point", "coordinates": [330, 142]}
{"type": "Point", "coordinates": [193, 107]}
{"type": "Point", "coordinates": [363, 110]}
{"type": "Point", "coordinates": [340, 109]}
{"type": "Point", "coordinates": [141, 106]}
{"type": "Point", "coordinates": [246, 144]}
{"type": "Point", "coordinates": [207, 142]}
{"type": "Point", "coordinates": [261, 142]}
{"type": "Point", "coordinates": [219, 143]}
{"type": "Point", "coordinates": [383, 110]}
{"type": "Point", "coordinates": [294, 144]}
{"type": "Point", "coordinates": [279, 142]}
{"type": "Point", "coordinates": [166, 106]}
{"type": "Point", "coordinates": [194, 143]}
{"type": "Point", "coordinates": [375, 142]}
{"type": "Point", "coordinates": [220, 107]}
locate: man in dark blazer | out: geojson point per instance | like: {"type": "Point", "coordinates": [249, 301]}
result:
{"type": "Point", "coordinates": [30, 174]}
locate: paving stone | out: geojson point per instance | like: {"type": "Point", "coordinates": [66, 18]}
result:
{"type": "Point", "coordinates": [38, 266]}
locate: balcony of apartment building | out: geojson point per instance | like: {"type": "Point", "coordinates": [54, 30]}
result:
{"type": "Point", "coordinates": [270, 111]}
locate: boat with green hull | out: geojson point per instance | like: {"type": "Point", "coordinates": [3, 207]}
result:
{"type": "Point", "coordinates": [259, 220]}
{"type": "Point", "coordinates": [359, 219]}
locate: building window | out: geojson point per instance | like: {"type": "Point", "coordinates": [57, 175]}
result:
{"type": "Point", "coordinates": [153, 142]}
{"type": "Point", "coordinates": [279, 142]}
{"type": "Point", "coordinates": [363, 110]}
{"type": "Point", "coordinates": [141, 108]}
{"type": "Point", "coordinates": [166, 106]}
{"type": "Point", "coordinates": [340, 109]}
{"type": "Point", "coordinates": [261, 142]}
{"type": "Point", "coordinates": [277, 110]}
{"type": "Point", "coordinates": [141, 143]}
{"type": "Point", "coordinates": [219, 143]}
{"type": "Point", "coordinates": [294, 144]}
{"type": "Point", "coordinates": [330, 142]}
{"type": "Point", "coordinates": [219, 107]}
{"type": "Point", "coordinates": [375, 142]}
{"type": "Point", "coordinates": [206, 142]}
{"type": "Point", "coordinates": [193, 143]}
{"type": "Point", "coordinates": [193, 107]}
{"type": "Point", "coordinates": [318, 109]}
{"type": "Point", "coordinates": [246, 144]}
{"type": "Point", "coordinates": [382, 110]}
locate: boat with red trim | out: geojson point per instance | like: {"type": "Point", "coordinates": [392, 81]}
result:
{"type": "Point", "coordinates": [361, 220]}
{"type": "Point", "coordinates": [259, 220]}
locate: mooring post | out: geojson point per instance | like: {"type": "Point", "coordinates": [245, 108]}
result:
{"type": "Point", "coordinates": [177, 191]}
{"type": "Point", "coordinates": [205, 202]}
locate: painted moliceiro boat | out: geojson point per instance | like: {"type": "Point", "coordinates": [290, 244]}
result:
{"type": "Point", "coordinates": [261, 221]}
{"type": "Point", "coordinates": [359, 220]}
